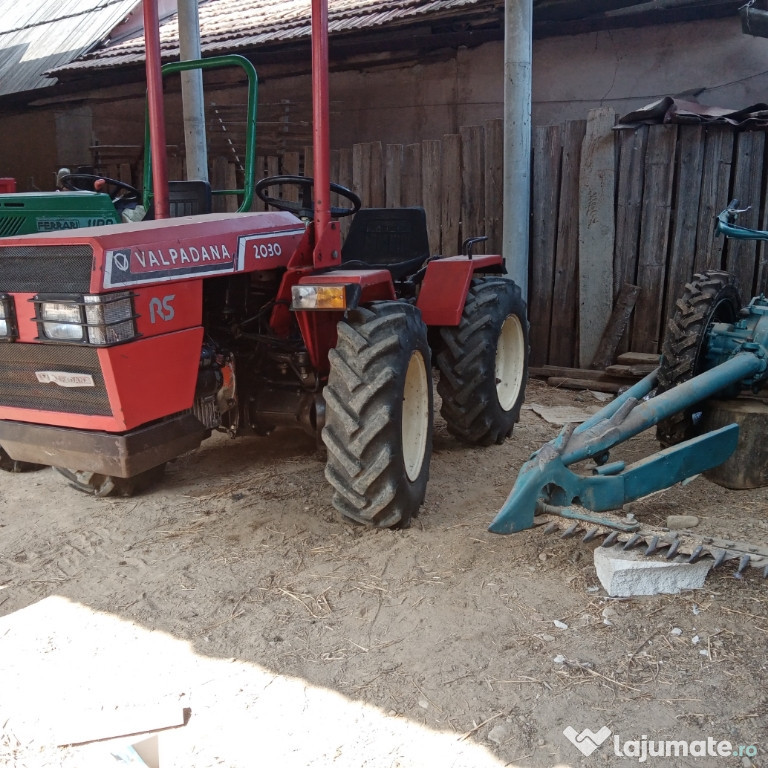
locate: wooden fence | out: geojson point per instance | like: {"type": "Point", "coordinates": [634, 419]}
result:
{"type": "Point", "coordinates": [670, 181]}
{"type": "Point", "coordinates": [609, 207]}
{"type": "Point", "coordinates": [456, 179]}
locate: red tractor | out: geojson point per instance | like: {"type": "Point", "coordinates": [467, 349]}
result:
{"type": "Point", "coordinates": [127, 345]}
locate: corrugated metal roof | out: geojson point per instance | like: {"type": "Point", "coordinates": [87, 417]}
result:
{"type": "Point", "coordinates": [228, 25]}
{"type": "Point", "coordinates": [40, 35]}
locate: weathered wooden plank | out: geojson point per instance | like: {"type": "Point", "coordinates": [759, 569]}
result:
{"type": "Point", "coordinates": [450, 207]}
{"type": "Point", "coordinates": [564, 329]}
{"type": "Point", "coordinates": [309, 163]}
{"type": "Point", "coordinates": [345, 170]}
{"type": "Point", "coordinates": [654, 236]}
{"type": "Point", "coordinates": [631, 371]}
{"type": "Point", "coordinates": [494, 184]}
{"type": "Point", "coordinates": [715, 183]}
{"type": "Point", "coordinates": [638, 358]}
{"type": "Point", "coordinates": [258, 174]}
{"type": "Point", "coordinates": [617, 325]}
{"type": "Point", "coordinates": [595, 386]}
{"type": "Point", "coordinates": [565, 372]}
{"type": "Point", "coordinates": [682, 255]}
{"type": "Point", "coordinates": [741, 255]}
{"type": "Point", "coordinates": [334, 165]}
{"type": "Point", "coordinates": [411, 185]}
{"type": "Point", "coordinates": [596, 230]}
{"type": "Point", "coordinates": [393, 171]}
{"type": "Point", "coordinates": [345, 177]}
{"type": "Point", "coordinates": [629, 204]}
{"type": "Point", "coordinates": [361, 172]}
{"type": "Point", "coordinates": [376, 197]}
{"type": "Point", "coordinates": [431, 183]}
{"type": "Point", "coordinates": [547, 154]}
{"type": "Point", "coordinates": [290, 165]}
{"type": "Point", "coordinates": [223, 177]}
{"type": "Point", "coordinates": [761, 276]}
{"type": "Point", "coordinates": [265, 166]}
{"type": "Point", "coordinates": [473, 187]}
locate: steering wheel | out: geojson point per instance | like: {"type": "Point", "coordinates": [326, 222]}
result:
{"type": "Point", "coordinates": [86, 182]}
{"type": "Point", "coordinates": [305, 207]}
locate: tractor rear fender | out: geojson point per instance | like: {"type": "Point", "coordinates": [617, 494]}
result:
{"type": "Point", "coordinates": [318, 326]}
{"type": "Point", "coordinates": [446, 282]}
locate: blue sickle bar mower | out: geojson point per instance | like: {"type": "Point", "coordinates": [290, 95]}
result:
{"type": "Point", "coordinates": [714, 347]}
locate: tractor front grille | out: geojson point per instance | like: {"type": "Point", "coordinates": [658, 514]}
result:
{"type": "Point", "coordinates": [45, 268]}
{"type": "Point", "coordinates": [20, 386]}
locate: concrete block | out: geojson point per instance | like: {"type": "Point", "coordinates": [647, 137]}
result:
{"type": "Point", "coordinates": [624, 574]}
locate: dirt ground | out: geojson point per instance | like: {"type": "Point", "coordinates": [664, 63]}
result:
{"type": "Point", "coordinates": [294, 639]}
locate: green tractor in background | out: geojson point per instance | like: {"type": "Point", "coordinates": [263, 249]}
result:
{"type": "Point", "coordinates": [82, 200]}
{"type": "Point", "coordinates": [91, 200]}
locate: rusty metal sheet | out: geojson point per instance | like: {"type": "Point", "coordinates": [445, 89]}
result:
{"type": "Point", "coordinates": [674, 110]}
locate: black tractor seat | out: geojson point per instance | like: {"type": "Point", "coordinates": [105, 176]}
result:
{"type": "Point", "coordinates": [185, 198]}
{"type": "Point", "coordinates": [394, 239]}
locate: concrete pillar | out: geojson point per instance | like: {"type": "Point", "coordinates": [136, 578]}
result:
{"type": "Point", "coordinates": [517, 137]}
{"type": "Point", "coordinates": [192, 92]}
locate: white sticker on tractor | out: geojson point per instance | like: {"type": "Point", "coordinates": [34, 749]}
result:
{"type": "Point", "coordinates": [65, 379]}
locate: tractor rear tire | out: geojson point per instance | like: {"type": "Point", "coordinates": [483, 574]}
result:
{"type": "Point", "coordinates": [483, 363]}
{"type": "Point", "coordinates": [7, 464]}
{"type": "Point", "coordinates": [378, 424]}
{"type": "Point", "coordinates": [102, 486]}
{"type": "Point", "coordinates": [710, 297]}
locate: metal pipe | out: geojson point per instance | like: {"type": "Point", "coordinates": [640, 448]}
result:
{"type": "Point", "coordinates": [156, 109]}
{"type": "Point", "coordinates": [321, 140]}
{"type": "Point", "coordinates": [193, 102]}
{"type": "Point", "coordinates": [636, 392]}
{"type": "Point", "coordinates": [517, 138]}
{"type": "Point", "coordinates": [651, 412]}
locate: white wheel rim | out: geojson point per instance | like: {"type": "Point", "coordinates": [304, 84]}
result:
{"type": "Point", "coordinates": [510, 358]}
{"type": "Point", "coordinates": [415, 426]}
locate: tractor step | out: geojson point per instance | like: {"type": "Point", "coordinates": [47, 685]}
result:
{"type": "Point", "coordinates": [681, 546]}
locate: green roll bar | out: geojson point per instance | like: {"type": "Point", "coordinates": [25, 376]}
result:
{"type": "Point", "coordinates": [216, 62]}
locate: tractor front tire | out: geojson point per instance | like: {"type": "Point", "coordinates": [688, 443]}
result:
{"type": "Point", "coordinates": [710, 297]}
{"type": "Point", "coordinates": [483, 363]}
{"type": "Point", "coordinates": [378, 425]}
{"type": "Point", "coordinates": [102, 486]}
{"type": "Point", "coordinates": [7, 464]}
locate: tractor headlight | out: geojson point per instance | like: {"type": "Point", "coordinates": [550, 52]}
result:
{"type": "Point", "coordinates": [7, 318]}
{"type": "Point", "coordinates": [61, 321]}
{"type": "Point", "coordinates": [109, 318]}
{"type": "Point", "coordinates": [333, 297]}
{"type": "Point", "coordinates": [101, 320]}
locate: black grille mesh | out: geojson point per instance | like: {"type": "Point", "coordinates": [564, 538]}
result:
{"type": "Point", "coordinates": [45, 269]}
{"type": "Point", "coordinates": [19, 387]}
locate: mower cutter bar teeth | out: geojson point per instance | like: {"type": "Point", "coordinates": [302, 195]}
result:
{"type": "Point", "coordinates": [592, 533]}
{"type": "Point", "coordinates": [672, 551]}
{"type": "Point", "coordinates": [653, 546]}
{"type": "Point", "coordinates": [656, 542]}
